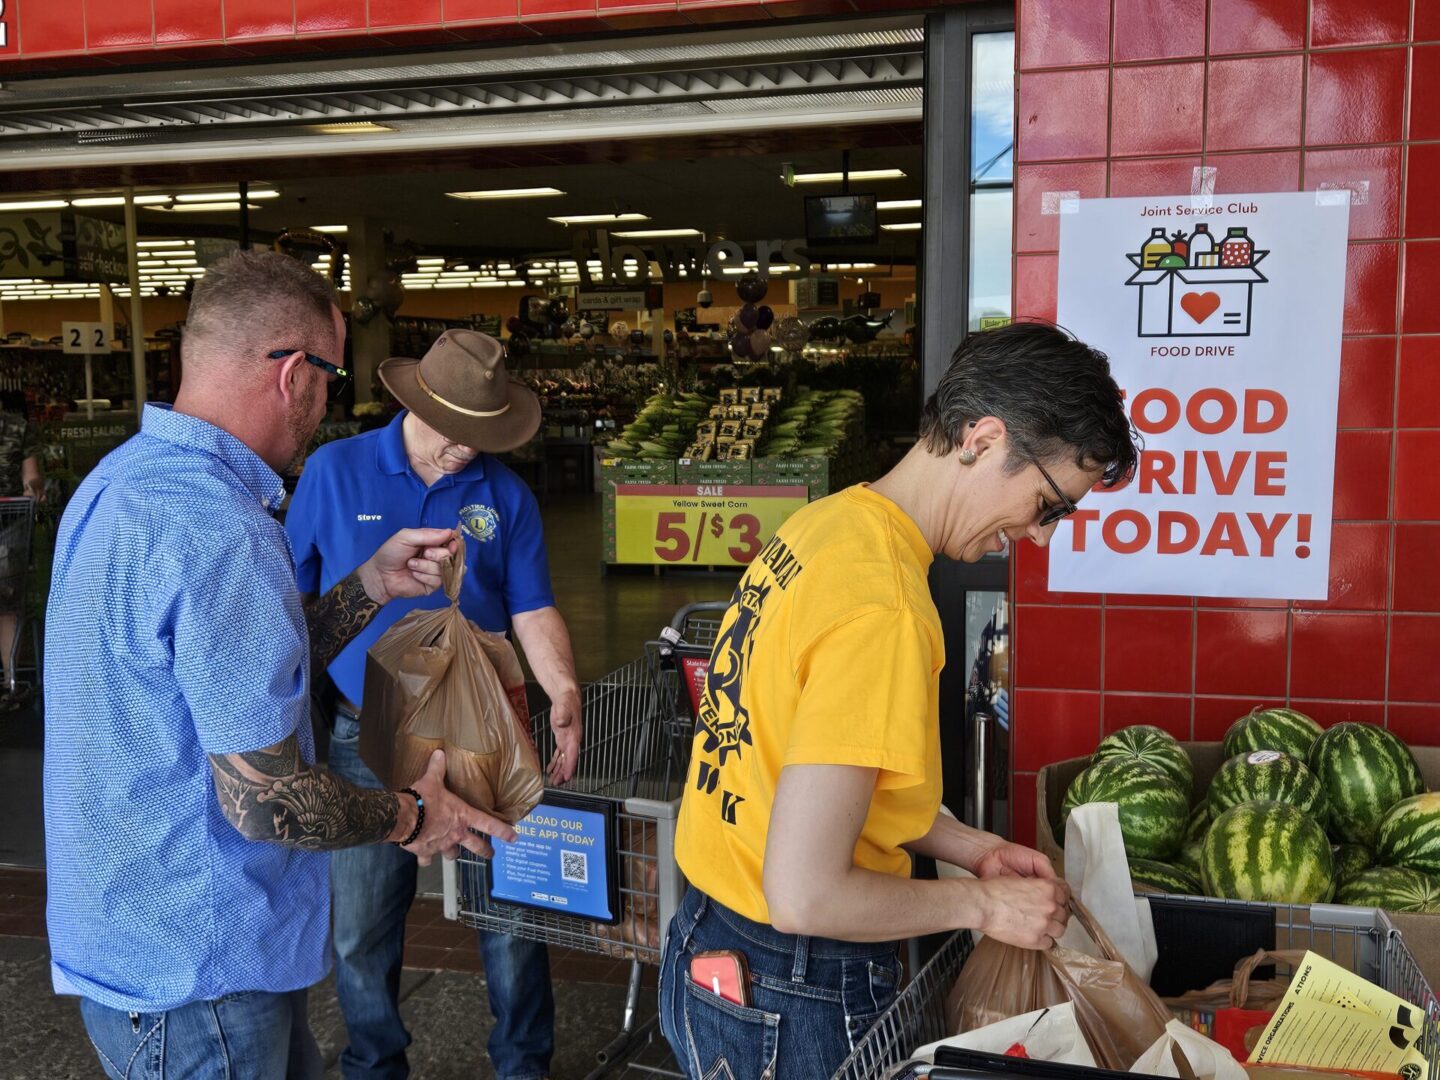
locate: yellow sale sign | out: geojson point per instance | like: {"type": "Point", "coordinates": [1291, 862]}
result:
{"type": "Point", "coordinates": [707, 524]}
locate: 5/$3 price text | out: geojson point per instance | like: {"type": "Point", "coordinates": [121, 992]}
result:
{"type": "Point", "coordinates": [682, 535]}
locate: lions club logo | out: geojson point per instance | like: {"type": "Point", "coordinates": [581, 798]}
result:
{"type": "Point", "coordinates": [480, 522]}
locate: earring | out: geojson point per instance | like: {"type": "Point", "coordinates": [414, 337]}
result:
{"type": "Point", "coordinates": [967, 457]}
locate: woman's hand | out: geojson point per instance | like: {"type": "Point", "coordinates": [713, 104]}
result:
{"type": "Point", "coordinates": [1013, 860]}
{"type": "Point", "coordinates": [1028, 912]}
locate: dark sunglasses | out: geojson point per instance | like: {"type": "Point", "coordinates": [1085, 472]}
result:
{"type": "Point", "coordinates": [338, 376]}
{"type": "Point", "coordinates": [1055, 511]}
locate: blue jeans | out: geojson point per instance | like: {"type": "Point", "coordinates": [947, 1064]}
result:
{"type": "Point", "coordinates": [248, 1036]}
{"type": "Point", "coordinates": [372, 889]}
{"type": "Point", "coordinates": [811, 999]}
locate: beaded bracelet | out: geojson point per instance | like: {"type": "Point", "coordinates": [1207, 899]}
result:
{"type": "Point", "coordinates": [419, 819]}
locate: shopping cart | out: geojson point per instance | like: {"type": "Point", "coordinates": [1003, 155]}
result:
{"type": "Point", "coordinates": [1361, 939]}
{"type": "Point", "coordinates": [17, 528]}
{"type": "Point", "coordinates": [639, 723]}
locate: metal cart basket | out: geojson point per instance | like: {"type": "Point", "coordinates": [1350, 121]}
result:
{"type": "Point", "coordinates": [1361, 939]}
{"type": "Point", "coordinates": [639, 723]}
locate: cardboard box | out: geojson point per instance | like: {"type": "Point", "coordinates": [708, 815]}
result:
{"type": "Point", "coordinates": [636, 471]}
{"type": "Point", "coordinates": [1194, 301]}
{"type": "Point", "coordinates": [690, 471]}
{"type": "Point", "coordinates": [1421, 933]}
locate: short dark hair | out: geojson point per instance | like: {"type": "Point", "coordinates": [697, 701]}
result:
{"type": "Point", "coordinates": [254, 301]}
{"type": "Point", "coordinates": [1055, 394]}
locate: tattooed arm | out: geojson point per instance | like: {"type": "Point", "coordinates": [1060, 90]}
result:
{"type": "Point", "coordinates": [274, 795]}
{"type": "Point", "coordinates": [408, 564]}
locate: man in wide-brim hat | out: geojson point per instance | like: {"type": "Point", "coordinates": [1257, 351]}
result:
{"type": "Point", "coordinates": [433, 464]}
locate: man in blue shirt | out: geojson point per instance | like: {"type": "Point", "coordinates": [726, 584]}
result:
{"type": "Point", "coordinates": [431, 467]}
{"type": "Point", "coordinates": [187, 828]}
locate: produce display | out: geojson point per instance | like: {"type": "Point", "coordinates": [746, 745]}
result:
{"type": "Point", "coordinates": [1153, 809]}
{"type": "Point", "coordinates": [1393, 888]}
{"type": "Point", "coordinates": [815, 425]}
{"type": "Point", "coordinates": [1365, 770]}
{"type": "Point", "coordinates": [1268, 776]}
{"type": "Point", "coordinates": [663, 427]}
{"type": "Point", "coordinates": [1258, 830]}
{"type": "Point", "coordinates": [1150, 746]}
{"type": "Point", "coordinates": [1286, 730]}
{"type": "Point", "coordinates": [1267, 851]}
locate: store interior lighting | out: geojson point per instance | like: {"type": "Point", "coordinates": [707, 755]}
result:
{"type": "Point", "coordinates": [507, 193]}
{"type": "Point", "coordinates": [338, 229]}
{"type": "Point", "coordinates": [898, 204]}
{"type": "Point", "coordinates": [855, 175]}
{"type": "Point", "coordinates": [598, 219]}
{"type": "Point", "coordinates": [656, 234]}
{"type": "Point", "coordinates": [902, 226]}
{"type": "Point", "coordinates": [352, 127]}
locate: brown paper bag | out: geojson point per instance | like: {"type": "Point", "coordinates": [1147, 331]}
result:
{"type": "Point", "coordinates": [1119, 1015]}
{"type": "Point", "coordinates": [436, 680]}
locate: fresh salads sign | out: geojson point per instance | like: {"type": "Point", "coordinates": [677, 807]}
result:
{"type": "Point", "coordinates": [1221, 316]}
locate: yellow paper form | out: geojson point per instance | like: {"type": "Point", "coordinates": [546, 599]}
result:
{"type": "Point", "coordinates": [1331, 1018]}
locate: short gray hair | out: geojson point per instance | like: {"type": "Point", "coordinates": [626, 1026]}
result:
{"type": "Point", "coordinates": [249, 301]}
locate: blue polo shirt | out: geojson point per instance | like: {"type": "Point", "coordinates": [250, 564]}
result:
{"type": "Point", "coordinates": [357, 493]}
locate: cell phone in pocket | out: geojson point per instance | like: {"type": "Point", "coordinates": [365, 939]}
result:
{"type": "Point", "coordinates": [724, 973]}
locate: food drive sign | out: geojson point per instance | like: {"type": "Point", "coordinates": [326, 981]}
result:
{"type": "Point", "coordinates": [1221, 316]}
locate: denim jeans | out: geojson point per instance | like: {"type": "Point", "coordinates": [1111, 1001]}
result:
{"type": "Point", "coordinates": [372, 889]}
{"type": "Point", "coordinates": [247, 1036]}
{"type": "Point", "coordinates": [811, 999]}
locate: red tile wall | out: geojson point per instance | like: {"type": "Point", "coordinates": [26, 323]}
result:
{"type": "Point", "coordinates": [1274, 95]}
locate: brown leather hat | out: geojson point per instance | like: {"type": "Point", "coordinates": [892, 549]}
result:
{"type": "Point", "coordinates": [461, 389]}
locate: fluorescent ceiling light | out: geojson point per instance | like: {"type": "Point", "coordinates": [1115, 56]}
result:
{"type": "Point", "coordinates": [204, 208]}
{"type": "Point", "coordinates": [507, 193]}
{"type": "Point", "coordinates": [36, 204]}
{"type": "Point", "coordinates": [226, 196]}
{"type": "Point", "coordinates": [598, 219]}
{"type": "Point", "coordinates": [351, 127]}
{"type": "Point", "coordinates": [162, 243]}
{"type": "Point", "coordinates": [855, 174]}
{"type": "Point", "coordinates": [331, 228]}
{"type": "Point", "coordinates": [119, 200]}
{"type": "Point", "coordinates": [898, 204]}
{"type": "Point", "coordinates": [656, 234]}
{"type": "Point", "coordinates": [902, 226]}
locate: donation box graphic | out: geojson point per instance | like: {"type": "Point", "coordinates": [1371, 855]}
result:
{"type": "Point", "coordinates": [1221, 316]}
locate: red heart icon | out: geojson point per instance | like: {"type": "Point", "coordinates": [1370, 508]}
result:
{"type": "Point", "coordinates": [1200, 305]}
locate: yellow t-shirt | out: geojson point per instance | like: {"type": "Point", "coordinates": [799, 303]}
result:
{"type": "Point", "coordinates": [830, 654]}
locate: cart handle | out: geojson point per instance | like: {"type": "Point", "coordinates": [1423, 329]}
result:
{"type": "Point", "coordinates": [677, 624]}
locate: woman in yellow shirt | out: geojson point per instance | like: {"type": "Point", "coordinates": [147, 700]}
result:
{"type": "Point", "coordinates": [815, 773]}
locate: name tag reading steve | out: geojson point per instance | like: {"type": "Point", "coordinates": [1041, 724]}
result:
{"type": "Point", "coordinates": [563, 859]}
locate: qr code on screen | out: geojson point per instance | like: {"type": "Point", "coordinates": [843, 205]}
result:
{"type": "Point", "coordinates": [575, 867]}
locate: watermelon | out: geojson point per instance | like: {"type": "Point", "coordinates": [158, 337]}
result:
{"type": "Point", "coordinates": [1153, 809]}
{"type": "Point", "coordinates": [1268, 851]}
{"type": "Point", "coordinates": [1150, 746]}
{"type": "Point", "coordinates": [1199, 825]}
{"type": "Point", "coordinates": [1365, 771]}
{"type": "Point", "coordinates": [1409, 834]}
{"type": "Point", "coordinates": [1393, 888]}
{"type": "Point", "coordinates": [1351, 859]}
{"type": "Point", "coordinates": [1165, 876]}
{"type": "Point", "coordinates": [1267, 776]}
{"type": "Point", "coordinates": [1286, 730]}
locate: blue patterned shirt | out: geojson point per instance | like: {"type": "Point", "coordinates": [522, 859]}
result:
{"type": "Point", "coordinates": [174, 631]}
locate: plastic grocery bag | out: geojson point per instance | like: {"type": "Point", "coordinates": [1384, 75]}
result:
{"type": "Point", "coordinates": [435, 680]}
{"type": "Point", "coordinates": [1242, 991]}
{"type": "Point", "coordinates": [1183, 1052]}
{"type": "Point", "coordinates": [1119, 1015]}
{"type": "Point", "coordinates": [1046, 1034]}
{"type": "Point", "coordinates": [1099, 875]}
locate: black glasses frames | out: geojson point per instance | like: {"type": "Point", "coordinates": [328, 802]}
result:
{"type": "Point", "coordinates": [323, 365]}
{"type": "Point", "coordinates": [1055, 512]}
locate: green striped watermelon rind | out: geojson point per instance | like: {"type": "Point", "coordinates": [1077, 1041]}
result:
{"type": "Point", "coordinates": [1151, 746]}
{"type": "Point", "coordinates": [1409, 834]}
{"type": "Point", "coordinates": [1393, 888]}
{"type": "Point", "coordinates": [1365, 771]}
{"type": "Point", "coordinates": [1267, 851]}
{"type": "Point", "coordinates": [1268, 776]}
{"type": "Point", "coordinates": [1351, 859]}
{"type": "Point", "coordinates": [1292, 731]}
{"type": "Point", "coordinates": [1153, 810]}
{"type": "Point", "coordinates": [1167, 877]}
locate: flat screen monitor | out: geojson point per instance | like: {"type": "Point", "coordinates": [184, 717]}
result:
{"type": "Point", "coordinates": [840, 219]}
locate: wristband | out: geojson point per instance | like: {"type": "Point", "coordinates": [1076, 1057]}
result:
{"type": "Point", "coordinates": [419, 819]}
